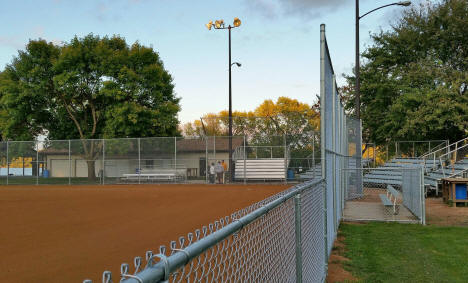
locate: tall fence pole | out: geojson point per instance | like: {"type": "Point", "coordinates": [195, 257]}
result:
{"type": "Point", "coordinates": [7, 164]}
{"type": "Point", "coordinates": [175, 157]}
{"type": "Point", "coordinates": [207, 162]}
{"type": "Point", "coordinates": [313, 155]}
{"type": "Point", "coordinates": [139, 161]}
{"type": "Point", "coordinates": [245, 163]}
{"type": "Point", "coordinates": [423, 198]}
{"type": "Point", "coordinates": [285, 160]}
{"type": "Point", "coordinates": [37, 163]}
{"type": "Point", "coordinates": [103, 161]}
{"type": "Point", "coordinates": [69, 162]}
{"type": "Point", "coordinates": [323, 133]}
{"type": "Point", "coordinates": [298, 231]}
{"type": "Point", "coordinates": [333, 148]}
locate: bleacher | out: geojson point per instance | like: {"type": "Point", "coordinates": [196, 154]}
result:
{"type": "Point", "coordinates": [271, 169]}
{"type": "Point", "coordinates": [156, 175]}
{"type": "Point", "coordinates": [390, 172]}
{"type": "Point", "coordinates": [316, 172]}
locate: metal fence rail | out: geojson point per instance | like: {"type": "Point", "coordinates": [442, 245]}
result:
{"type": "Point", "coordinates": [280, 239]}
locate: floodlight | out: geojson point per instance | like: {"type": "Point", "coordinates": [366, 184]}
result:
{"type": "Point", "coordinates": [237, 22]}
{"type": "Point", "coordinates": [404, 3]}
{"type": "Point", "coordinates": [209, 25]}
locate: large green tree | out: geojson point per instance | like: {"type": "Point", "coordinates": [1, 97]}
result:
{"type": "Point", "coordinates": [414, 78]}
{"type": "Point", "coordinates": [89, 88]}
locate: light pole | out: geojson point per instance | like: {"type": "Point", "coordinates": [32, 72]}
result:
{"type": "Point", "coordinates": [357, 70]}
{"type": "Point", "coordinates": [219, 24]}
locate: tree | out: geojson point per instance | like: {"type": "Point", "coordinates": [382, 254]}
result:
{"type": "Point", "coordinates": [415, 77]}
{"type": "Point", "coordinates": [287, 115]}
{"type": "Point", "coordinates": [89, 88]}
{"type": "Point", "coordinates": [267, 125]}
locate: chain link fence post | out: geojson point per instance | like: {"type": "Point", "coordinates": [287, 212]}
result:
{"type": "Point", "coordinates": [69, 162]}
{"type": "Point", "coordinates": [139, 161]}
{"type": "Point", "coordinates": [245, 163]}
{"type": "Point", "coordinates": [103, 162]}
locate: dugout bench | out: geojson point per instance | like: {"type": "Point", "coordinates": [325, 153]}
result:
{"type": "Point", "coordinates": [391, 200]}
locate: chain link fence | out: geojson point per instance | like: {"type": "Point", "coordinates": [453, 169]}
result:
{"type": "Point", "coordinates": [280, 239]}
{"type": "Point", "coordinates": [387, 195]}
{"type": "Point", "coordinates": [285, 158]}
{"type": "Point", "coordinates": [341, 142]}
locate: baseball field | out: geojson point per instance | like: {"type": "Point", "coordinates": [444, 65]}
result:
{"type": "Point", "coordinates": [70, 233]}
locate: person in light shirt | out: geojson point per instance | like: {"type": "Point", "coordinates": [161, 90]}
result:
{"type": "Point", "coordinates": [219, 170]}
{"type": "Point", "coordinates": [212, 173]}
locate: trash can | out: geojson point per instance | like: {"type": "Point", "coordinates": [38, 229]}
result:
{"type": "Point", "coordinates": [460, 191]}
{"type": "Point", "coordinates": [46, 173]}
{"type": "Point", "coordinates": [290, 174]}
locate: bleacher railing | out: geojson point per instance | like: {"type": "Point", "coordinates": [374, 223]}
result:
{"type": "Point", "coordinates": [445, 156]}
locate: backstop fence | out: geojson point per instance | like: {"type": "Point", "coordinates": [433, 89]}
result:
{"type": "Point", "coordinates": [341, 142]}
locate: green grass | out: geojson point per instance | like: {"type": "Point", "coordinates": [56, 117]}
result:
{"type": "Point", "coordinates": [392, 252]}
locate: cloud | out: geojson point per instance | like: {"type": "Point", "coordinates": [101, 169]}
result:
{"type": "Point", "coordinates": [306, 9]}
{"type": "Point", "coordinates": [267, 8]}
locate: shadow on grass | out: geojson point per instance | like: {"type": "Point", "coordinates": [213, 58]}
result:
{"type": "Point", "coordinates": [393, 252]}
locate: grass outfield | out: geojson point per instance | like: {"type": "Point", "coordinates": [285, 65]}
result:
{"type": "Point", "coordinates": [392, 252]}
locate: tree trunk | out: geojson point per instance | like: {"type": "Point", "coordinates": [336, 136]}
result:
{"type": "Point", "coordinates": [91, 169]}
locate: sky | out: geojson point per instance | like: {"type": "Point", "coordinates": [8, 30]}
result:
{"type": "Point", "coordinates": [278, 43]}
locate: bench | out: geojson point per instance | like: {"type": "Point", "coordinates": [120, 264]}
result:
{"type": "Point", "coordinates": [153, 175]}
{"type": "Point", "coordinates": [149, 177]}
{"type": "Point", "coordinates": [391, 206]}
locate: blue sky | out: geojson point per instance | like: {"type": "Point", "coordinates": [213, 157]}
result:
{"type": "Point", "coordinates": [277, 43]}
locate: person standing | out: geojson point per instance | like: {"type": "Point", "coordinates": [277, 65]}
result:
{"type": "Point", "coordinates": [212, 173]}
{"type": "Point", "coordinates": [225, 167]}
{"type": "Point", "coordinates": [219, 170]}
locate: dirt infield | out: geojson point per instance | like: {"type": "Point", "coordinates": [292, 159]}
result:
{"type": "Point", "coordinates": [67, 234]}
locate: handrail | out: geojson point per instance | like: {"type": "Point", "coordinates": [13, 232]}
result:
{"type": "Point", "coordinates": [442, 158]}
{"type": "Point", "coordinates": [432, 155]}
{"type": "Point", "coordinates": [459, 173]}
{"type": "Point", "coordinates": [435, 148]}
{"type": "Point", "coordinates": [455, 150]}
{"type": "Point", "coordinates": [448, 146]}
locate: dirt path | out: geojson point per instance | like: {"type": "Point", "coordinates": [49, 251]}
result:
{"type": "Point", "coordinates": [67, 234]}
{"type": "Point", "coordinates": [336, 272]}
{"type": "Point", "coordinates": [439, 213]}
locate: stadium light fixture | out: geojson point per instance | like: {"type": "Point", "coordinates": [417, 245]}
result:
{"type": "Point", "coordinates": [219, 24]}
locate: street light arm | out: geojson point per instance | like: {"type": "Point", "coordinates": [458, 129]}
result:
{"type": "Point", "coordinates": [405, 3]}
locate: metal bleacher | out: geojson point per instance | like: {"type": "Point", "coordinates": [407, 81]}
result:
{"type": "Point", "coordinates": [450, 161]}
{"type": "Point", "coordinates": [269, 169]}
{"type": "Point", "coordinates": [390, 172]}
